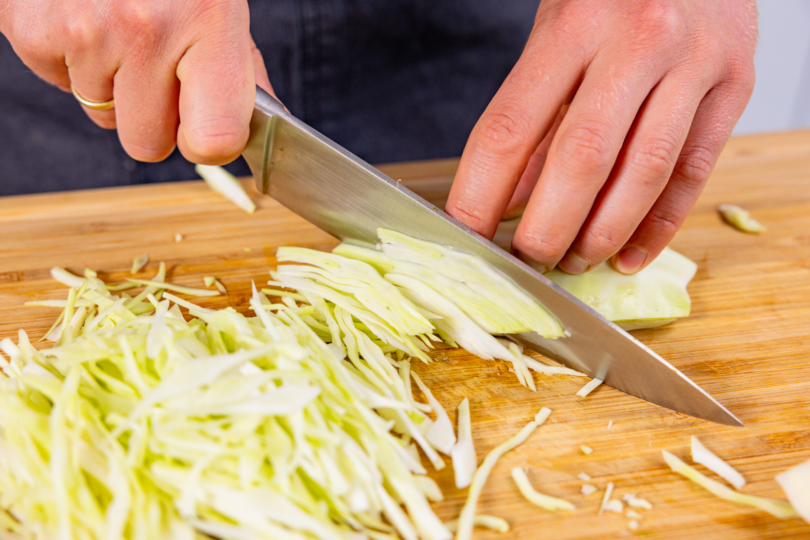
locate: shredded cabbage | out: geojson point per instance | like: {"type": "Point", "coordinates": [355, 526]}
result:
{"type": "Point", "coordinates": [588, 388]}
{"type": "Point", "coordinates": [704, 456]}
{"type": "Point", "coordinates": [226, 184]}
{"type": "Point", "coordinates": [493, 523]}
{"type": "Point", "coordinates": [606, 498]}
{"type": "Point", "coordinates": [484, 294]}
{"type": "Point", "coordinates": [547, 502]}
{"type": "Point", "coordinates": [141, 424]}
{"type": "Point", "coordinates": [463, 453]}
{"type": "Point", "coordinates": [467, 518]}
{"type": "Point", "coordinates": [776, 508]}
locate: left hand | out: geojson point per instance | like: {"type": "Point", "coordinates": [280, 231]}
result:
{"type": "Point", "coordinates": [655, 88]}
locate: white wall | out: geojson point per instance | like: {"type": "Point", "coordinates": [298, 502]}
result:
{"type": "Point", "coordinates": [781, 98]}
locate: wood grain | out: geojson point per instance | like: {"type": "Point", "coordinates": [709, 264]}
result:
{"type": "Point", "coordinates": [747, 342]}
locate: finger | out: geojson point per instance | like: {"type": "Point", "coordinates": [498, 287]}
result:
{"type": "Point", "coordinates": [91, 59]}
{"type": "Point", "coordinates": [93, 81]}
{"type": "Point", "coordinates": [517, 204]}
{"type": "Point", "coordinates": [217, 90]}
{"type": "Point", "coordinates": [714, 121]}
{"type": "Point", "coordinates": [642, 170]}
{"type": "Point", "coordinates": [510, 130]}
{"type": "Point", "coordinates": [259, 69]}
{"type": "Point", "coordinates": [580, 158]}
{"type": "Point", "coordinates": [146, 95]}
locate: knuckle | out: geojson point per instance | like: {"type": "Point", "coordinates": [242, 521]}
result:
{"type": "Point", "coordinates": [601, 241]}
{"type": "Point", "coordinates": [742, 73]}
{"type": "Point", "coordinates": [585, 147]}
{"type": "Point", "coordinates": [662, 19]}
{"type": "Point", "coordinates": [656, 157]}
{"type": "Point", "coordinates": [695, 165]}
{"type": "Point", "coordinates": [468, 214]}
{"type": "Point", "coordinates": [146, 23]}
{"type": "Point", "coordinates": [82, 32]}
{"type": "Point", "coordinates": [665, 223]}
{"type": "Point", "coordinates": [505, 130]}
{"type": "Point", "coordinates": [547, 249]}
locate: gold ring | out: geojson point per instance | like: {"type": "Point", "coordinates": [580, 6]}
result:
{"type": "Point", "coordinates": [94, 105]}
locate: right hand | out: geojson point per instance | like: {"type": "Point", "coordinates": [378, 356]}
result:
{"type": "Point", "coordinates": [182, 72]}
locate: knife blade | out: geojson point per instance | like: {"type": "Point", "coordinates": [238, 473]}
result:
{"type": "Point", "coordinates": [348, 198]}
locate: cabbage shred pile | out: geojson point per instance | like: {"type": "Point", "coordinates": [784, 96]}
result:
{"type": "Point", "coordinates": [140, 424]}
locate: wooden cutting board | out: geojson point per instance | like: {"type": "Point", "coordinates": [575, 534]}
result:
{"type": "Point", "coordinates": [747, 342]}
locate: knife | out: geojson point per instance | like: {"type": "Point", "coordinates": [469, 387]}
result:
{"type": "Point", "coordinates": [348, 198]}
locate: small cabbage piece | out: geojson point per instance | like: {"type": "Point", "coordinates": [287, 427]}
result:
{"type": "Point", "coordinates": [587, 489]}
{"type": "Point", "coordinates": [440, 433]}
{"type": "Point", "coordinates": [606, 498]}
{"type": "Point", "coordinates": [211, 281]}
{"type": "Point", "coordinates": [650, 298]}
{"type": "Point", "coordinates": [637, 502]}
{"type": "Point", "coordinates": [493, 523]}
{"type": "Point", "coordinates": [138, 263]}
{"type": "Point", "coordinates": [704, 456]}
{"type": "Point", "coordinates": [795, 483]}
{"type": "Point", "coordinates": [774, 507]}
{"type": "Point", "coordinates": [547, 502]}
{"type": "Point", "coordinates": [226, 184]}
{"type": "Point", "coordinates": [632, 514]}
{"type": "Point", "coordinates": [590, 387]}
{"type": "Point", "coordinates": [740, 219]}
{"type": "Point", "coordinates": [463, 453]}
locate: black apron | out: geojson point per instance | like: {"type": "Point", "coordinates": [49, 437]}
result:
{"type": "Point", "coordinates": [391, 80]}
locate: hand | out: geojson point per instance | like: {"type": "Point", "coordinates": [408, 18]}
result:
{"type": "Point", "coordinates": [655, 88]}
{"type": "Point", "coordinates": [181, 71]}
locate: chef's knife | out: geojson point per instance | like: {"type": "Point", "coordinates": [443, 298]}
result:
{"type": "Point", "coordinates": [348, 198]}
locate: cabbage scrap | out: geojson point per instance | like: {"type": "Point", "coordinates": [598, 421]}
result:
{"type": "Point", "coordinates": [463, 453]}
{"type": "Point", "coordinates": [547, 502]}
{"type": "Point", "coordinates": [704, 456]}
{"type": "Point", "coordinates": [740, 219]}
{"type": "Point", "coordinates": [795, 482]}
{"type": "Point", "coordinates": [493, 523]}
{"type": "Point", "coordinates": [226, 184]}
{"type": "Point", "coordinates": [774, 507]}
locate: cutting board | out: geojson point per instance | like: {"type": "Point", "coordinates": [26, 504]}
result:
{"type": "Point", "coordinates": [747, 341]}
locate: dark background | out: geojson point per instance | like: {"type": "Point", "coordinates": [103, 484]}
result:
{"type": "Point", "coordinates": [390, 80]}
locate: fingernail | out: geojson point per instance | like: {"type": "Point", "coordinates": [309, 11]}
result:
{"type": "Point", "coordinates": [629, 260]}
{"type": "Point", "coordinates": [573, 264]}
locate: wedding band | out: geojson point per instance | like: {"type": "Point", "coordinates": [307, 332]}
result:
{"type": "Point", "coordinates": [94, 105]}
